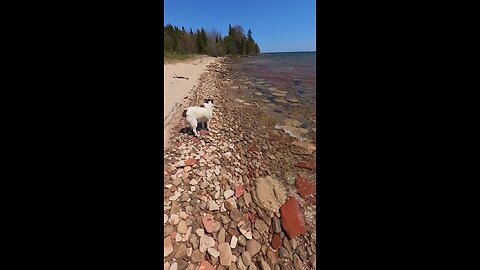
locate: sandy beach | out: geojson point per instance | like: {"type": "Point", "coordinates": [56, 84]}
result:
{"type": "Point", "coordinates": [176, 90]}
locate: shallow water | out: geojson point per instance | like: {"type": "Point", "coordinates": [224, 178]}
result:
{"type": "Point", "coordinates": [282, 85]}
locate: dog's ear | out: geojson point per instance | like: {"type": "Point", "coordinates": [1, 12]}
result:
{"type": "Point", "coordinates": [209, 100]}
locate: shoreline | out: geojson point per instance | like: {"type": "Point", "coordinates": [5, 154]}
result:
{"type": "Point", "coordinates": [216, 188]}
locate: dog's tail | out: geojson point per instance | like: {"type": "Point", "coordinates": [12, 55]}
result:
{"type": "Point", "coordinates": [184, 114]}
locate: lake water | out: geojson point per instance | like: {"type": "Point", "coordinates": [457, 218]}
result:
{"type": "Point", "coordinates": [283, 86]}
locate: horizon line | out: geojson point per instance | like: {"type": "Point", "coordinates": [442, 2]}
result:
{"type": "Point", "coordinates": [289, 51]}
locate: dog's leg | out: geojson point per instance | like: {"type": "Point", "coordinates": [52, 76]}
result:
{"type": "Point", "coordinates": [193, 124]}
{"type": "Point", "coordinates": [207, 125]}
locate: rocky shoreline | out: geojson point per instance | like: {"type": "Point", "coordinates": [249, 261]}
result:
{"type": "Point", "coordinates": [242, 196]}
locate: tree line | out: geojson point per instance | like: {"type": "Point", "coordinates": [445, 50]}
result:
{"type": "Point", "coordinates": [212, 43]}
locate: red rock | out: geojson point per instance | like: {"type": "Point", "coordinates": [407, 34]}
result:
{"type": "Point", "coordinates": [173, 235]}
{"type": "Point", "coordinates": [190, 162]}
{"type": "Point", "coordinates": [307, 165]}
{"type": "Point", "coordinates": [253, 148]}
{"type": "Point", "coordinates": [208, 222]}
{"type": "Point", "coordinates": [276, 242]}
{"type": "Point", "coordinates": [239, 191]}
{"type": "Point", "coordinates": [306, 188]}
{"type": "Point", "coordinates": [292, 218]}
{"type": "Point", "coordinates": [205, 265]}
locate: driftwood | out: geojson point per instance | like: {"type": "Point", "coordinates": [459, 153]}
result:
{"type": "Point", "coordinates": [179, 77]}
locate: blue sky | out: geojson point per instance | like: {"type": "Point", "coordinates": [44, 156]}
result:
{"type": "Point", "coordinates": [277, 26]}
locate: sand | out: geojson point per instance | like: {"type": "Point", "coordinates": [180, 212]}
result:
{"type": "Point", "coordinates": [175, 91]}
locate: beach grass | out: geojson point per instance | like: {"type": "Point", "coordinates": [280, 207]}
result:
{"type": "Point", "coordinates": [170, 57]}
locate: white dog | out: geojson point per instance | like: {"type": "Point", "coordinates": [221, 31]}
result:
{"type": "Point", "coordinates": [202, 114]}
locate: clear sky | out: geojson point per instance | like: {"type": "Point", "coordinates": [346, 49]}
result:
{"type": "Point", "coordinates": [277, 25]}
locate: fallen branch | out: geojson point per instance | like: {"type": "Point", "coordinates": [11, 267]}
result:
{"type": "Point", "coordinates": [179, 77]}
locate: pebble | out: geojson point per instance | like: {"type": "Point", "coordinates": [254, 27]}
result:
{"type": "Point", "coordinates": [221, 235]}
{"type": "Point", "coordinates": [228, 193]}
{"type": "Point", "coordinates": [297, 262]}
{"type": "Point", "coordinates": [283, 253]}
{"type": "Point", "coordinates": [234, 241]}
{"type": "Point", "coordinates": [213, 252]}
{"type": "Point", "coordinates": [167, 246]}
{"type": "Point", "coordinates": [242, 241]}
{"type": "Point", "coordinates": [182, 227]}
{"type": "Point", "coordinates": [253, 247]}
{"type": "Point", "coordinates": [213, 206]}
{"type": "Point", "coordinates": [173, 266]}
{"type": "Point", "coordinates": [197, 256]}
{"type": "Point", "coordinates": [200, 232]}
{"type": "Point", "coordinates": [225, 254]}
{"type": "Point", "coordinates": [181, 264]}
{"type": "Point", "coordinates": [246, 258]}
{"type": "Point", "coordinates": [276, 225]}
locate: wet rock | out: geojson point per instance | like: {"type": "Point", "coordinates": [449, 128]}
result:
{"type": "Point", "coordinates": [276, 242]}
{"type": "Point", "coordinates": [307, 189]}
{"type": "Point", "coordinates": [253, 247]}
{"type": "Point", "coordinates": [292, 218]}
{"type": "Point", "coordinates": [307, 165]}
{"type": "Point", "coordinates": [167, 246]}
{"type": "Point", "coordinates": [276, 225]}
{"type": "Point", "coordinates": [283, 252]}
{"type": "Point", "coordinates": [270, 193]}
{"type": "Point", "coordinates": [225, 254]}
{"type": "Point", "coordinates": [302, 148]}
{"type": "Point", "coordinates": [297, 262]}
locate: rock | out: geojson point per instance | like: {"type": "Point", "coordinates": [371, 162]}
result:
{"type": "Point", "coordinates": [200, 232]}
{"type": "Point", "coordinates": [242, 241]}
{"type": "Point", "coordinates": [293, 100]}
{"type": "Point", "coordinates": [292, 218]}
{"type": "Point", "coordinates": [235, 214]}
{"type": "Point", "coordinates": [190, 162]}
{"type": "Point", "coordinates": [293, 243]}
{"type": "Point", "coordinates": [167, 246]}
{"type": "Point", "coordinates": [216, 226]}
{"type": "Point", "coordinates": [247, 198]}
{"type": "Point", "coordinates": [307, 189]}
{"type": "Point", "coordinates": [186, 170]}
{"type": "Point", "coordinates": [261, 226]}
{"type": "Point", "coordinates": [264, 265]}
{"type": "Point", "coordinates": [213, 252]}
{"type": "Point", "coordinates": [197, 256]}
{"type": "Point", "coordinates": [302, 148]}
{"type": "Point", "coordinates": [205, 265]}
{"type": "Point", "coordinates": [181, 264]}
{"type": "Point", "coordinates": [212, 205]}
{"type": "Point", "coordinates": [270, 193]}
{"type": "Point", "coordinates": [181, 251]}
{"type": "Point", "coordinates": [239, 190]}
{"type": "Point", "coordinates": [273, 256]}
{"type": "Point", "coordinates": [252, 267]}
{"type": "Point", "coordinates": [208, 222]}
{"type": "Point", "coordinates": [166, 266]}
{"type": "Point", "coordinates": [286, 244]}
{"type": "Point", "coordinates": [221, 236]}
{"type": "Point", "coordinates": [180, 164]}
{"type": "Point", "coordinates": [182, 227]}
{"type": "Point", "coordinates": [307, 165]}
{"type": "Point", "coordinates": [276, 242]}
{"type": "Point", "coordinates": [228, 193]}
{"type": "Point", "coordinates": [246, 258]}
{"type": "Point", "coordinates": [206, 242]}
{"type": "Point", "coordinates": [253, 247]}
{"type": "Point", "coordinates": [276, 225]}
{"type": "Point", "coordinates": [233, 242]}
{"type": "Point", "coordinates": [283, 253]}
{"type": "Point", "coordinates": [297, 262]}
{"type": "Point", "coordinates": [225, 254]}
{"type": "Point", "coordinates": [173, 266]}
